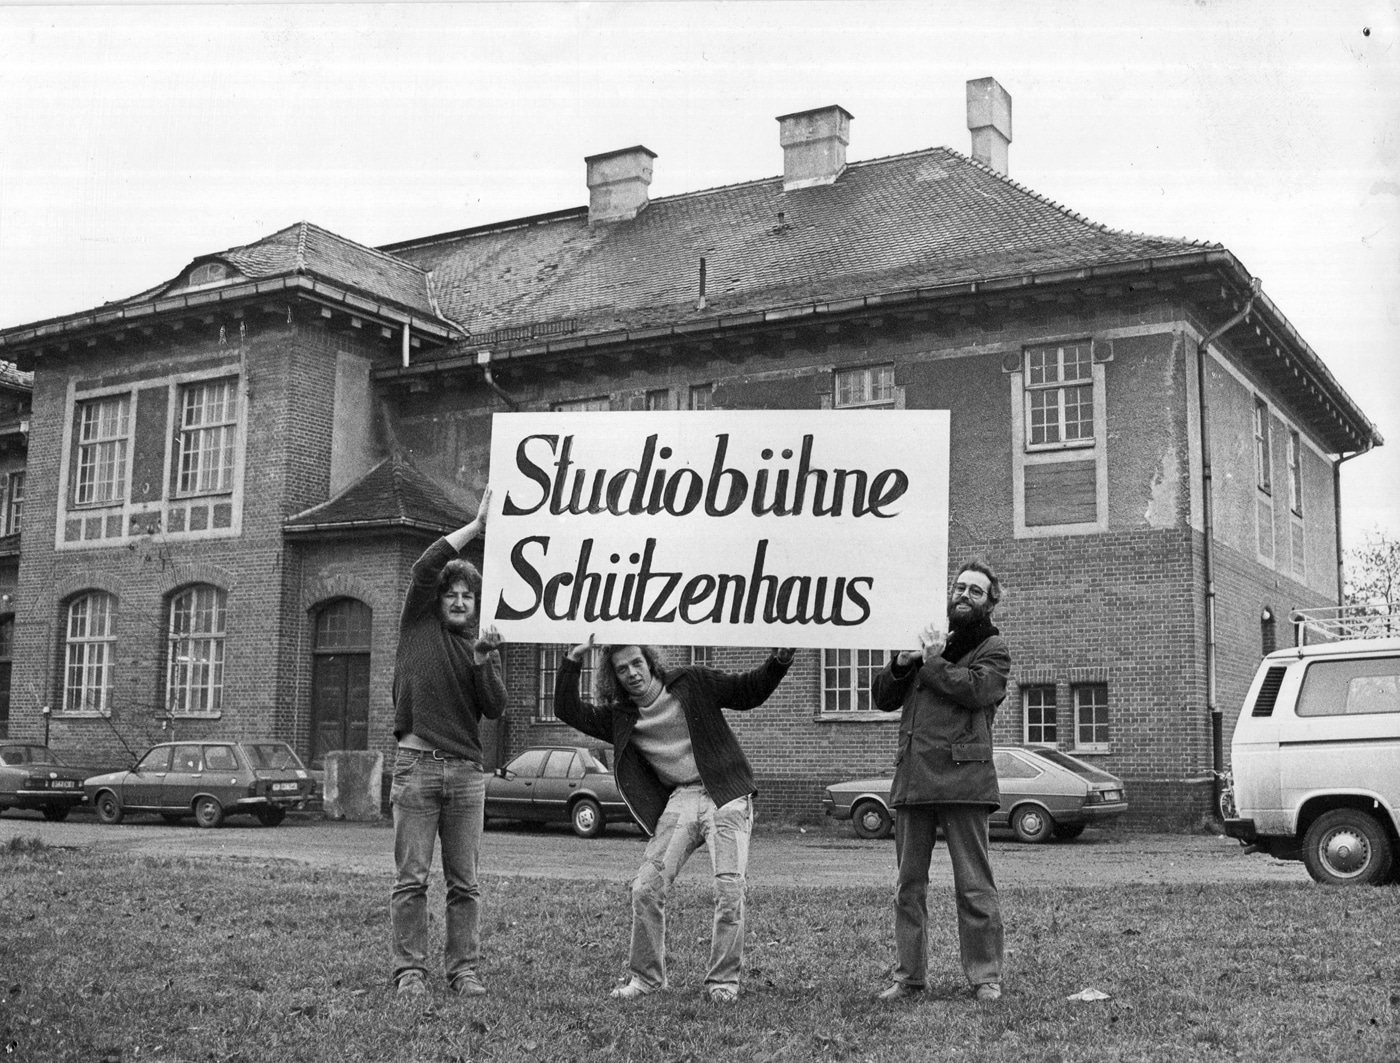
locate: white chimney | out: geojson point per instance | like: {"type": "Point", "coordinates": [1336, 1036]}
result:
{"type": "Point", "coordinates": [989, 118]}
{"type": "Point", "coordinates": [617, 184]}
{"type": "Point", "coordinates": [814, 146]}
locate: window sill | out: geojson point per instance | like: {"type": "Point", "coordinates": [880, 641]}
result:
{"type": "Point", "coordinates": [1052, 448]}
{"type": "Point", "coordinates": [81, 716]}
{"type": "Point", "coordinates": [858, 716]}
{"type": "Point", "coordinates": [541, 721]}
{"type": "Point", "coordinates": [195, 715]}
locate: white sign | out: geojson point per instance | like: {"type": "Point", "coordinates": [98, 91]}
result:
{"type": "Point", "coordinates": [807, 528]}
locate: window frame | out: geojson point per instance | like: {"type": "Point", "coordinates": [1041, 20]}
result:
{"type": "Point", "coordinates": [1084, 387]}
{"type": "Point", "coordinates": [97, 655]}
{"type": "Point", "coordinates": [1096, 743]}
{"type": "Point", "coordinates": [863, 666]}
{"type": "Point", "coordinates": [1263, 448]}
{"type": "Point", "coordinates": [181, 682]}
{"type": "Point", "coordinates": [702, 656]}
{"type": "Point", "coordinates": [225, 451]}
{"type": "Point", "coordinates": [1295, 472]}
{"type": "Point", "coordinates": [877, 386]}
{"type": "Point", "coordinates": [658, 400]}
{"type": "Point", "coordinates": [1029, 692]}
{"type": "Point", "coordinates": [14, 502]}
{"type": "Point", "coordinates": [702, 397]}
{"type": "Point", "coordinates": [547, 660]}
{"type": "Point", "coordinates": [117, 442]}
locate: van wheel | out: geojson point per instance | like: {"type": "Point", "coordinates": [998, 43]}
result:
{"type": "Point", "coordinates": [1032, 824]}
{"type": "Point", "coordinates": [871, 820]}
{"type": "Point", "coordinates": [1347, 848]}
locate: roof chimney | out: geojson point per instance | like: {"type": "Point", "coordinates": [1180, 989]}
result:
{"type": "Point", "coordinates": [989, 118]}
{"type": "Point", "coordinates": [814, 146]}
{"type": "Point", "coordinates": [617, 184]}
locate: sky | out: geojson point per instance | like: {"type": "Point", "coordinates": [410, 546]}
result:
{"type": "Point", "coordinates": [133, 138]}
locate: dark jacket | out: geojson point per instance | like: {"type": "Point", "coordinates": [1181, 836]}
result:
{"type": "Point", "coordinates": [702, 692]}
{"type": "Point", "coordinates": [945, 732]}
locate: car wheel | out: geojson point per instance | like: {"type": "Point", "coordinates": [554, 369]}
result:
{"type": "Point", "coordinates": [870, 819]}
{"type": "Point", "coordinates": [1066, 832]}
{"type": "Point", "coordinates": [272, 816]}
{"type": "Point", "coordinates": [586, 818]}
{"type": "Point", "coordinates": [208, 812]}
{"type": "Point", "coordinates": [109, 808]}
{"type": "Point", "coordinates": [55, 813]}
{"type": "Point", "coordinates": [1032, 824]}
{"type": "Point", "coordinates": [1345, 848]}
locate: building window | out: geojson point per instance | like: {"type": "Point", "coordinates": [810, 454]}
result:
{"type": "Point", "coordinates": [702, 397]}
{"type": "Point", "coordinates": [1060, 395]}
{"type": "Point", "coordinates": [195, 668]}
{"type": "Point", "coordinates": [594, 405]}
{"type": "Point", "coordinates": [1091, 717]}
{"type": "Point", "coordinates": [14, 503]}
{"type": "Point", "coordinates": [1039, 705]}
{"type": "Point", "coordinates": [550, 656]}
{"type": "Point", "coordinates": [208, 425]}
{"type": "Point", "coordinates": [103, 428]}
{"type": "Point", "coordinates": [89, 653]}
{"type": "Point", "coordinates": [1295, 473]}
{"type": "Point", "coordinates": [660, 399]}
{"type": "Point", "coordinates": [846, 676]}
{"type": "Point", "coordinates": [704, 656]}
{"type": "Point", "coordinates": [871, 385]}
{"type": "Point", "coordinates": [1261, 446]}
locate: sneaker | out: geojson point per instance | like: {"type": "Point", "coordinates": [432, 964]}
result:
{"type": "Point", "coordinates": [467, 984]}
{"type": "Point", "coordinates": [722, 994]}
{"type": "Point", "coordinates": [899, 991]}
{"type": "Point", "coordinates": [989, 992]}
{"type": "Point", "coordinates": [411, 985]}
{"type": "Point", "coordinates": [631, 990]}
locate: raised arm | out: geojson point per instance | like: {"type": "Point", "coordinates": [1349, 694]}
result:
{"type": "Point", "coordinates": [749, 690]}
{"type": "Point", "coordinates": [570, 707]}
{"type": "Point", "coordinates": [427, 570]}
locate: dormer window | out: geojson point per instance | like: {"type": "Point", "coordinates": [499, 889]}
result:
{"type": "Point", "coordinates": [209, 273]}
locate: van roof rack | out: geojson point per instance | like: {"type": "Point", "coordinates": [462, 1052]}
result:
{"type": "Point", "coordinates": [1340, 623]}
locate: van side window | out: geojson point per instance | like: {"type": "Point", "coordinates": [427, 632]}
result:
{"type": "Point", "coordinates": [1351, 688]}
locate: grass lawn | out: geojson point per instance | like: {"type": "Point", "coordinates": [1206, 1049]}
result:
{"type": "Point", "coordinates": [106, 959]}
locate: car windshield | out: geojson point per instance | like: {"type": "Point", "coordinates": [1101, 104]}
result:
{"type": "Point", "coordinates": [272, 756]}
{"type": "Point", "coordinates": [1064, 760]}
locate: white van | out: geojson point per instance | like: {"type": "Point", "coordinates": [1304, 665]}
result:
{"type": "Point", "coordinates": [1316, 751]}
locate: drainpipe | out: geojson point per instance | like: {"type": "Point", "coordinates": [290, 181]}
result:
{"type": "Point", "coordinates": [1337, 517]}
{"type": "Point", "coordinates": [483, 359]}
{"type": "Point", "coordinates": [1217, 747]}
{"type": "Point", "coordinates": [405, 342]}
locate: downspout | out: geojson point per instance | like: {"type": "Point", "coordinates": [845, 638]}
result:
{"type": "Point", "coordinates": [405, 342]}
{"type": "Point", "coordinates": [483, 359]}
{"type": "Point", "coordinates": [1217, 747]}
{"type": "Point", "coordinates": [1337, 517]}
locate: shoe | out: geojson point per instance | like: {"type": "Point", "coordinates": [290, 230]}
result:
{"type": "Point", "coordinates": [899, 991]}
{"type": "Point", "coordinates": [467, 984]}
{"type": "Point", "coordinates": [630, 990]}
{"type": "Point", "coordinates": [411, 985]}
{"type": "Point", "coordinates": [989, 992]}
{"type": "Point", "coordinates": [722, 994]}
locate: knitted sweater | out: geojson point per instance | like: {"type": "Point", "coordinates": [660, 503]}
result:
{"type": "Point", "coordinates": [440, 693]}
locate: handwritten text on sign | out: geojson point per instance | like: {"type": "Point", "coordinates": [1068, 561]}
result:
{"type": "Point", "coordinates": [749, 528]}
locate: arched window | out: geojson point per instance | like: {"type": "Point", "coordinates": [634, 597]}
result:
{"type": "Point", "coordinates": [89, 653]}
{"type": "Point", "coordinates": [195, 662]}
{"type": "Point", "coordinates": [340, 678]}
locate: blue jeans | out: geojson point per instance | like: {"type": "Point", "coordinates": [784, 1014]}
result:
{"type": "Point", "coordinates": [690, 821]}
{"type": "Point", "coordinates": [980, 934]}
{"type": "Point", "coordinates": [435, 799]}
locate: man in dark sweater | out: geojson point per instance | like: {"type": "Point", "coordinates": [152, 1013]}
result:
{"type": "Point", "coordinates": [446, 680]}
{"type": "Point", "coordinates": [686, 781]}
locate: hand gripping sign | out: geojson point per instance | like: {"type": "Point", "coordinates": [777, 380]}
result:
{"type": "Point", "coordinates": [810, 528]}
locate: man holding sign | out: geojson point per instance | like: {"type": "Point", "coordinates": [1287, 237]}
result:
{"type": "Point", "coordinates": [687, 782]}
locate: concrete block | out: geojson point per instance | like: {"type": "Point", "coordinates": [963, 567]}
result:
{"type": "Point", "coordinates": [353, 781]}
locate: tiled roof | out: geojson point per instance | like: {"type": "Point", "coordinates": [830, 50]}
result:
{"type": "Point", "coordinates": [923, 219]}
{"type": "Point", "coordinates": [12, 376]}
{"type": "Point", "coordinates": [395, 493]}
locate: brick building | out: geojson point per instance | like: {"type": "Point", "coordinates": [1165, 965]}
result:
{"type": "Point", "coordinates": [230, 475]}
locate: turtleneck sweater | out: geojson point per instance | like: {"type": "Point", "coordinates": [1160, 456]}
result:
{"type": "Point", "coordinates": [662, 736]}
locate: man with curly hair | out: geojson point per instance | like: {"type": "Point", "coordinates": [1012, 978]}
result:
{"type": "Point", "coordinates": [446, 680]}
{"type": "Point", "coordinates": [687, 782]}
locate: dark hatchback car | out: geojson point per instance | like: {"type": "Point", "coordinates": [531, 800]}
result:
{"type": "Point", "coordinates": [206, 780]}
{"type": "Point", "coordinates": [558, 784]}
{"type": "Point", "coordinates": [1044, 793]}
{"type": "Point", "coordinates": [31, 776]}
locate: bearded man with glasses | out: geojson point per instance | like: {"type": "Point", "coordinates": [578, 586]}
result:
{"type": "Point", "coordinates": [948, 690]}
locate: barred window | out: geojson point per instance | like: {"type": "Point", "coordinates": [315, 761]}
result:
{"type": "Point", "coordinates": [89, 653]}
{"type": "Point", "coordinates": [103, 429]}
{"type": "Point", "coordinates": [1091, 716]}
{"type": "Point", "coordinates": [1038, 703]}
{"type": "Point", "coordinates": [871, 385]}
{"type": "Point", "coordinates": [550, 657]}
{"type": "Point", "coordinates": [1059, 390]}
{"type": "Point", "coordinates": [846, 677]}
{"type": "Point", "coordinates": [195, 669]}
{"type": "Point", "coordinates": [208, 426]}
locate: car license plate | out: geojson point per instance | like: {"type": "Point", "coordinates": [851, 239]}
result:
{"type": "Point", "coordinates": [1112, 795]}
{"type": "Point", "coordinates": [62, 784]}
{"type": "Point", "coordinates": [284, 786]}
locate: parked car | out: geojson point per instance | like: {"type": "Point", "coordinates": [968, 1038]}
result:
{"type": "Point", "coordinates": [32, 776]}
{"type": "Point", "coordinates": [207, 780]}
{"type": "Point", "coordinates": [1044, 793]}
{"type": "Point", "coordinates": [1316, 750]}
{"type": "Point", "coordinates": [558, 784]}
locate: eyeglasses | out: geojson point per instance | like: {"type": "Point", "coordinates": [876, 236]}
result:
{"type": "Point", "coordinates": [973, 592]}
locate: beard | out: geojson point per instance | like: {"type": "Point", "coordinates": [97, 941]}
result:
{"type": "Point", "coordinates": [974, 613]}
